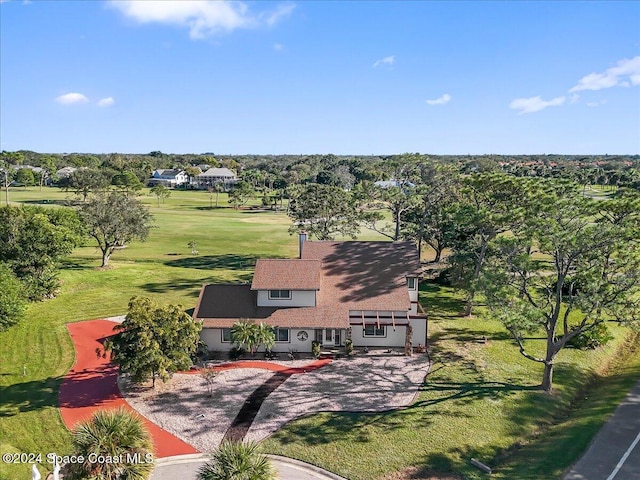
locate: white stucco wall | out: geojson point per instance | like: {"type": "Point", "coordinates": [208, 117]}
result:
{"type": "Point", "coordinates": [299, 298]}
{"type": "Point", "coordinates": [392, 339]}
{"type": "Point", "coordinates": [419, 335]}
{"type": "Point", "coordinates": [213, 338]}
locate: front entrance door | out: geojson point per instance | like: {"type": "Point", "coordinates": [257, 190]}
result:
{"type": "Point", "coordinates": [337, 337]}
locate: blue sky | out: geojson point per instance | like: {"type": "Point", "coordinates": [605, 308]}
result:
{"type": "Point", "coordinates": [320, 77]}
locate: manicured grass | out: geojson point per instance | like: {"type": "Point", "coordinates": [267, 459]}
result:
{"type": "Point", "coordinates": [479, 400]}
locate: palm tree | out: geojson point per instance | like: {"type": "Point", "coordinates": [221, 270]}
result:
{"type": "Point", "coordinates": [237, 461]}
{"type": "Point", "coordinates": [112, 434]}
{"type": "Point", "coordinates": [245, 334]}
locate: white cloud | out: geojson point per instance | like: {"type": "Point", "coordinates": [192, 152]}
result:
{"type": "Point", "coordinates": [574, 98]}
{"type": "Point", "coordinates": [202, 18]}
{"type": "Point", "coordinates": [390, 60]}
{"type": "Point", "coordinates": [534, 104]}
{"type": "Point", "coordinates": [71, 98]}
{"type": "Point", "coordinates": [106, 102]}
{"type": "Point", "coordinates": [278, 47]}
{"type": "Point", "coordinates": [625, 73]}
{"type": "Point", "coordinates": [596, 104]}
{"type": "Point", "coordinates": [440, 100]}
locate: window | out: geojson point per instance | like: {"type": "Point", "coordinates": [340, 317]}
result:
{"type": "Point", "coordinates": [411, 283]}
{"type": "Point", "coordinates": [374, 331]}
{"type": "Point", "coordinates": [226, 335]}
{"type": "Point", "coordinates": [281, 294]}
{"type": "Point", "coordinates": [282, 334]}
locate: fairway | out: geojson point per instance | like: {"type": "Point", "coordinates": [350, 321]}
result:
{"type": "Point", "coordinates": [479, 399]}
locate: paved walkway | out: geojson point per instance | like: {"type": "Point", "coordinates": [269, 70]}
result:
{"type": "Point", "coordinates": [615, 452]}
{"type": "Point", "coordinates": [91, 385]}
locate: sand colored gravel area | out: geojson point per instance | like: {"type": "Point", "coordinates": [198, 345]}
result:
{"type": "Point", "coordinates": [371, 382]}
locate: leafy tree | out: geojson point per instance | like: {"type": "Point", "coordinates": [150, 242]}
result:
{"type": "Point", "coordinates": [111, 433]}
{"type": "Point", "coordinates": [48, 170]}
{"type": "Point", "coordinates": [161, 192]}
{"type": "Point", "coordinates": [153, 341]}
{"type": "Point", "coordinates": [12, 298]}
{"type": "Point", "coordinates": [237, 461]}
{"type": "Point", "coordinates": [114, 219]}
{"type": "Point", "coordinates": [241, 193]}
{"type": "Point", "coordinates": [492, 205]}
{"type": "Point", "coordinates": [324, 211]}
{"type": "Point", "coordinates": [6, 176]}
{"type": "Point", "coordinates": [32, 242]}
{"type": "Point", "coordinates": [251, 335]}
{"type": "Point", "coordinates": [398, 201]}
{"type": "Point", "coordinates": [593, 276]}
{"type": "Point", "coordinates": [25, 177]}
{"type": "Point", "coordinates": [85, 181]}
{"type": "Point", "coordinates": [127, 181]}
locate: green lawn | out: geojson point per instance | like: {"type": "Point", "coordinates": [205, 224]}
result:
{"type": "Point", "coordinates": [478, 401]}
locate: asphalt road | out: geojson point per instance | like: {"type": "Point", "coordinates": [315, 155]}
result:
{"type": "Point", "coordinates": [615, 452]}
{"type": "Point", "coordinates": [186, 468]}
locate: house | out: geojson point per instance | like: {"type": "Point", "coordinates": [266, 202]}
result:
{"type": "Point", "coordinates": [212, 176]}
{"type": "Point", "coordinates": [334, 291]}
{"type": "Point", "coordinates": [168, 177]}
{"type": "Point", "coordinates": [65, 172]}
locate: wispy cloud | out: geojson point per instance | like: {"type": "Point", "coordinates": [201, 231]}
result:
{"type": "Point", "coordinates": [71, 98]}
{"type": "Point", "coordinates": [626, 73]}
{"type": "Point", "coordinates": [574, 98]}
{"type": "Point", "coordinates": [390, 60]}
{"type": "Point", "coordinates": [202, 18]}
{"type": "Point", "coordinates": [534, 104]}
{"type": "Point", "coordinates": [106, 102]}
{"type": "Point", "coordinates": [278, 47]}
{"type": "Point", "coordinates": [596, 104]}
{"type": "Point", "coordinates": [441, 100]}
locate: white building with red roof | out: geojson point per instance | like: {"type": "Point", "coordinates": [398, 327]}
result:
{"type": "Point", "coordinates": [359, 290]}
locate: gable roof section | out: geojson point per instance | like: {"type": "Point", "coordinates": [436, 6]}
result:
{"type": "Point", "coordinates": [364, 275]}
{"type": "Point", "coordinates": [218, 172]}
{"type": "Point", "coordinates": [286, 274]}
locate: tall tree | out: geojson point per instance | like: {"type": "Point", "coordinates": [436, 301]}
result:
{"type": "Point", "coordinates": [109, 434]}
{"type": "Point", "coordinates": [25, 177]}
{"type": "Point", "coordinates": [492, 205]}
{"type": "Point", "coordinates": [32, 242]}
{"type": "Point", "coordinates": [12, 299]}
{"type": "Point", "coordinates": [114, 219]}
{"type": "Point", "coordinates": [161, 192]}
{"type": "Point", "coordinates": [593, 276]}
{"type": "Point", "coordinates": [324, 211]}
{"type": "Point", "coordinates": [153, 341]}
{"type": "Point", "coordinates": [6, 176]}
{"type": "Point", "coordinates": [85, 181]}
{"type": "Point", "coordinates": [241, 193]}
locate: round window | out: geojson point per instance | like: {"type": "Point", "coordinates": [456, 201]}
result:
{"type": "Point", "coordinates": [302, 335]}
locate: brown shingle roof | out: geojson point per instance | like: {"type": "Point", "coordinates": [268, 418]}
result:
{"type": "Point", "coordinates": [353, 276]}
{"type": "Point", "coordinates": [287, 274]}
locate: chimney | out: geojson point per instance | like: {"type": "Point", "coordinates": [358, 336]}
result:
{"type": "Point", "coordinates": [302, 237]}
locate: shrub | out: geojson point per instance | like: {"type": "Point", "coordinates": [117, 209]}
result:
{"type": "Point", "coordinates": [315, 349]}
{"type": "Point", "coordinates": [592, 338]}
{"type": "Point", "coordinates": [348, 346]}
{"type": "Point", "coordinates": [236, 352]}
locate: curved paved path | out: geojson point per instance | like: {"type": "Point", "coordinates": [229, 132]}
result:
{"type": "Point", "coordinates": [91, 385]}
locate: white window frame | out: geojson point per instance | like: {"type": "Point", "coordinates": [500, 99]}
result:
{"type": "Point", "coordinates": [222, 335]}
{"type": "Point", "coordinates": [279, 295]}
{"type": "Point", "coordinates": [413, 280]}
{"type": "Point", "coordinates": [375, 334]}
{"type": "Point", "coordinates": [277, 331]}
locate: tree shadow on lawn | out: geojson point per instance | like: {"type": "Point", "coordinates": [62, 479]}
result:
{"type": "Point", "coordinates": [28, 396]}
{"type": "Point", "coordinates": [209, 262]}
{"type": "Point", "coordinates": [185, 284]}
{"type": "Point", "coordinates": [468, 335]}
{"type": "Point", "coordinates": [441, 301]}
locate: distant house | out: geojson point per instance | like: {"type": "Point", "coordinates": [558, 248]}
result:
{"type": "Point", "coordinates": [216, 175]}
{"type": "Point", "coordinates": [170, 178]}
{"type": "Point", "coordinates": [65, 172]}
{"type": "Point", "coordinates": [363, 291]}
{"type": "Point", "coordinates": [393, 183]}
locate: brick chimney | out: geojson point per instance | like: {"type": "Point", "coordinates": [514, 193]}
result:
{"type": "Point", "coordinates": [302, 237]}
